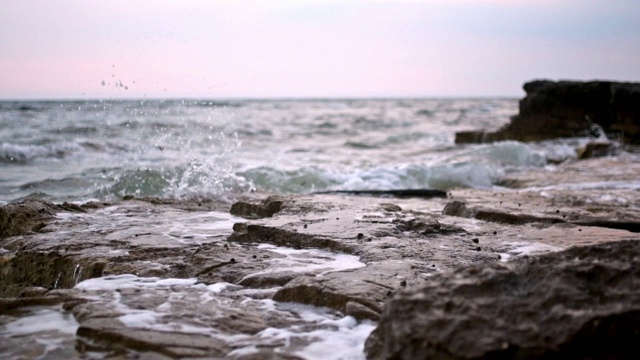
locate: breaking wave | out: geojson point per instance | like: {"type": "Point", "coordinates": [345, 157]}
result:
{"type": "Point", "coordinates": [479, 166]}
{"type": "Point", "coordinates": [192, 180]}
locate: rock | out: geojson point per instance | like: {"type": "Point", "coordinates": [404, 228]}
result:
{"type": "Point", "coordinates": [100, 242]}
{"type": "Point", "coordinates": [9, 305]}
{"type": "Point", "coordinates": [567, 109]}
{"type": "Point", "coordinates": [179, 318]}
{"type": "Point", "coordinates": [423, 193]}
{"type": "Point", "coordinates": [26, 216]}
{"type": "Point", "coordinates": [34, 291]}
{"type": "Point", "coordinates": [580, 303]}
{"type": "Point", "coordinates": [596, 149]}
{"type": "Point", "coordinates": [268, 355]}
{"type": "Point", "coordinates": [459, 208]}
{"type": "Point", "coordinates": [395, 247]}
{"type": "Point", "coordinates": [267, 208]}
{"type": "Point", "coordinates": [390, 207]}
{"type": "Point", "coordinates": [360, 311]}
{"type": "Point", "coordinates": [171, 344]}
{"type": "Point", "coordinates": [164, 268]}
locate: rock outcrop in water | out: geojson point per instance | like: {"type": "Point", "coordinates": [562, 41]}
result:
{"type": "Point", "coordinates": [567, 109]}
{"type": "Point", "coordinates": [583, 303]}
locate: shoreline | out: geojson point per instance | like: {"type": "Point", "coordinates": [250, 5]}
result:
{"type": "Point", "coordinates": [349, 254]}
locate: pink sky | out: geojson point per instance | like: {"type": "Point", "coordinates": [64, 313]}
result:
{"type": "Point", "coordinates": [226, 49]}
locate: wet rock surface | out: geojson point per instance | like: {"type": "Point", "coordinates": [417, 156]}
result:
{"type": "Point", "coordinates": [294, 276]}
{"type": "Point", "coordinates": [399, 250]}
{"type": "Point", "coordinates": [581, 303]}
{"type": "Point", "coordinates": [25, 217]}
{"type": "Point", "coordinates": [570, 108]}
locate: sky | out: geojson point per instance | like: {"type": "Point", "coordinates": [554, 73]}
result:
{"type": "Point", "coordinates": [319, 48]}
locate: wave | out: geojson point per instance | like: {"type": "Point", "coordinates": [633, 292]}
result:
{"type": "Point", "coordinates": [475, 167]}
{"type": "Point", "coordinates": [303, 180]}
{"type": "Point", "coordinates": [192, 180]}
{"type": "Point", "coordinates": [414, 176]}
{"type": "Point", "coordinates": [17, 153]}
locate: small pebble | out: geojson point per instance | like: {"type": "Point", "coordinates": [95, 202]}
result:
{"type": "Point", "coordinates": [360, 235]}
{"type": "Point", "coordinates": [475, 240]}
{"type": "Point", "coordinates": [495, 233]}
{"type": "Point", "coordinates": [304, 226]}
{"type": "Point", "coordinates": [232, 260]}
{"type": "Point", "coordinates": [403, 283]}
{"type": "Point", "coordinates": [255, 257]}
{"type": "Point", "coordinates": [369, 239]}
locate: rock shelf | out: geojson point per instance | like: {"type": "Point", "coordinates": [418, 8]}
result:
{"type": "Point", "coordinates": [282, 276]}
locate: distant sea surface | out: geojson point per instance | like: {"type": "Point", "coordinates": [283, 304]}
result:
{"type": "Point", "coordinates": [78, 151]}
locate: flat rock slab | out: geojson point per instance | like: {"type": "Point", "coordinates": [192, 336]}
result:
{"type": "Point", "coordinates": [399, 250]}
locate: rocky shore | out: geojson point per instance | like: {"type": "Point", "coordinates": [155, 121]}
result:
{"type": "Point", "coordinates": [544, 267]}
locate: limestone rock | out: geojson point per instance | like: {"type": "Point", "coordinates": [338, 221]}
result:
{"type": "Point", "coordinates": [167, 268]}
{"type": "Point", "coordinates": [267, 208]}
{"type": "Point", "coordinates": [504, 216]}
{"type": "Point", "coordinates": [580, 303]}
{"type": "Point", "coordinates": [567, 109]}
{"type": "Point", "coordinates": [27, 216]}
{"type": "Point", "coordinates": [398, 249]}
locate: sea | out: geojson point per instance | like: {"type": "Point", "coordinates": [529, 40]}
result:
{"type": "Point", "coordinates": [79, 151]}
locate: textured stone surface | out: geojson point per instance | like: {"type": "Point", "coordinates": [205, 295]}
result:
{"type": "Point", "coordinates": [267, 208]}
{"type": "Point", "coordinates": [236, 288]}
{"type": "Point", "coordinates": [580, 303]}
{"type": "Point", "coordinates": [27, 216]}
{"type": "Point", "coordinates": [399, 250]}
{"type": "Point", "coordinates": [567, 109]}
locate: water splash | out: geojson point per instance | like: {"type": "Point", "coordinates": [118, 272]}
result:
{"type": "Point", "coordinates": [55, 285]}
{"type": "Point", "coordinates": [77, 274]}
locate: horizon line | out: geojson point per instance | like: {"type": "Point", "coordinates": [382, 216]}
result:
{"type": "Point", "coordinates": [259, 98]}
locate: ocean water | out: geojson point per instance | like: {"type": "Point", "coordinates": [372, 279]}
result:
{"type": "Point", "coordinates": [198, 149]}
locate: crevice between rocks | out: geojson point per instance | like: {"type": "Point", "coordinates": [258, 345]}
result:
{"type": "Point", "coordinates": [460, 209]}
{"type": "Point", "coordinates": [251, 233]}
{"type": "Point", "coordinates": [49, 270]}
